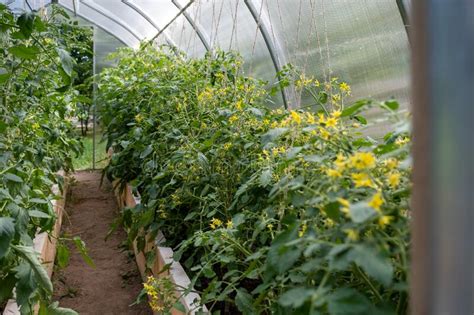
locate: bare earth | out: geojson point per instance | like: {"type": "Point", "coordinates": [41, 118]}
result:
{"type": "Point", "coordinates": [114, 284]}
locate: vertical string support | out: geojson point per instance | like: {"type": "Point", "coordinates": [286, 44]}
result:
{"type": "Point", "coordinates": [197, 28]}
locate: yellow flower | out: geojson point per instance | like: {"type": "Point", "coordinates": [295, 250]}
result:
{"type": "Point", "coordinates": [336, 98]}
{"type": "Point", "coordinates": [333, 173]}
{"type": "Point", "coordinates": [274, 124]}
{"type": "Point", "coordinates": [233, 118]}
{"type": "Point", "coordinates": [324, 133]}
{"type": "Point", "coordinates": [215, 223]}
{"type": "Point", "coordinates": [321, 118]}
{"type": "Point", "coordinates": [345, 205]}
{"type": "Point", "coordinates": [345, 87]}
{"type": "Point", "coordinates": [328, 222]}
{"type": "Point", "coordinates": [239, 104]}
{"type": "Point", "coordinates": [391, 163]}
{"type": "Point", "coordinates": [270, 226]}
{"type": "Point", "coordinates": [402, 141]}
{"type": "Point", "coordinates": [229, 224]}
{"type": "Point", "coordinates": [362, 180]}
{"type": "Point", "coordinates": [302, 230]}
{"type": "Point", "coordinates": [310, 118]}
{"type": "Point", "coordinates": [35, 126]}
{"type": "Point", "coordinates": [331, 122]}
{"type": "Point", "coordinates": [377, 201]}
{"type": "Point", "coordinates": [352, 234]}
{"type": "Point", "coordinates": [336, 114]}
{"type": "Point", "coordinates": [266, 122]}
{"type": "Point", "coordinates": [384, 220]}
{"type": "Point", "coordinates": [296, 117]}
{"type": "Point", "coordinates": [138, 118]}
{"type": "Point", "coordinates": [227, 146]}
{"type": "Point", "coordinates": [362, 160]}
{"type": "Point", "coordinates": [316, 83]}
{"type": "Point", "coordinates": [394, 179]}
{"type": "Point", "coordinates": [340, 162]}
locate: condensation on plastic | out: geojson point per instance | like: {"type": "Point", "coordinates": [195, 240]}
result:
{"type": "Point", "coordinates": [361, 42]}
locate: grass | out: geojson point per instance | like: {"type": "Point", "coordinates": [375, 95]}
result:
{"type": "Point", "coordinates": [84, 161]}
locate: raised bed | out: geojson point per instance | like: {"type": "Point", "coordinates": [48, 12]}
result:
{"type": "Point", "coordinates": [45, 245]}
{"type": "Point", "coordinates": [163, 257]}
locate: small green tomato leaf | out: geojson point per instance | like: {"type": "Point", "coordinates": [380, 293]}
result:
{"type": "Point", "coordinates": [24, 52]}
{"type": "Point", "coordinates": [296, 297]}
{"type": "Point", "coordinates": [348, 302]}
{"type": "Point", "coordinates": [7, 231]}
{"type": "Point", "coordinates": [361, 212]}
{"type": "Point", "coordinates": [373, 263]}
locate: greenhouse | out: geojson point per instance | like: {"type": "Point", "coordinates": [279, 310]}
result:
{"type": "Point", "coordinates": [236, 157]}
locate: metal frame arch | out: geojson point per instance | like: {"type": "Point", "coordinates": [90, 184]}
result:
{"type": "Point", "coordinates": [137, 9]}
{"type": "Point", "coordinates": [100, 25]}
{"type": "Point", "coordinates": [274, 48]}
{"type": "Point", "coordinates": [196, 26]}
{"type": "Point", "coordinates": [104, 12]}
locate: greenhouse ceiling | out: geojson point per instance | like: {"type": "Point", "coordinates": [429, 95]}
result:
{"type": "Point", "coordinates": [365, 42]}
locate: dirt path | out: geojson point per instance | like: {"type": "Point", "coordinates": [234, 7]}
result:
{"type": "Point", "coordinates": [115, 282]}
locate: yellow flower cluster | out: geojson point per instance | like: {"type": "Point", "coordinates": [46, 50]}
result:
{"type": "Point", "coordinates": [152, 292]}
{"type": "Point", "coordinates": [215, 223]}
{"type": "Point", "coordinates": [363, 160]}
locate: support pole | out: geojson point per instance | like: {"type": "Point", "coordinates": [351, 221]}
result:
{"type": "Point", "coordinates": [94, 98]}
{"type": "Point", "coordinates": [275, 50]}
{"type": "Point", "coordinates": [442, 275]}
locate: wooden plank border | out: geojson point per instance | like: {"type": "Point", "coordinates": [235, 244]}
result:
{"type": "Point", "coordinates": [163, 256]}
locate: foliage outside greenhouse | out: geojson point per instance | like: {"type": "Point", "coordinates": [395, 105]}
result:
{"type": "Point", "coordinates": [271, 211]}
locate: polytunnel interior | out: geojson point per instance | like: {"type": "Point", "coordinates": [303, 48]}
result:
{"type": "Point", "coordinates": [372, 46]}
{"type": "Point", "coordinates": [362, 42]}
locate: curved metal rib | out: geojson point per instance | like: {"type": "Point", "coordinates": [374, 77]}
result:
{"type": "Point", "coordinates": [137, 9]}
{"type": "Point", "coordinates": [110, 16]}
{"type": "Point", "coordinates": [263, 24]}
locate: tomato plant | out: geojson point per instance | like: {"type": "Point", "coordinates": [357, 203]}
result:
{"type": "Point", "coordinates": [271, 211]}
{"type": "Point", "coordinates": [36, 141]}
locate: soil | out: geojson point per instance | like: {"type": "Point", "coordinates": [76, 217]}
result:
{"type": "Point", "coordinates": [114, 284]}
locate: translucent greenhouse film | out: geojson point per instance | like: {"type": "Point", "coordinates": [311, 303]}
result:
{"type": "Point", "coordinates": [363, 42]}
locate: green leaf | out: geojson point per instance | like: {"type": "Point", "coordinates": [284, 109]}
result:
{"type": "Point", "coordinates": [266, 178]}
{"type": "Point", "coordinates": [296, 297]}
{"type": "Point", "coordinates": [332, 210]}
{"type": "Point", "coordinates": [24, 52]}
{"type": "Point", "coordinates": [244, 301]}
{"type": "Point", "coordinates": [361, 212]}
{"type": "Point", "coordinates": [81, 247]}
{"type": "Point", "coordinates": [67, 63]}
{"type": "Point", "coordinates": [351, 110]}
{"type": "Point", "coordinates": [273, 134]}
{"type": "Point", "coordinates": [63, 255]}
{"type": "Point", "coordinates": [6, 287]}
{"type": "Point", "coordinates": [7, 231]}
{"type": "Point", "coordinates": [54, 309]}
{"type": "Point", "coordinates": [391, 105]}
{"type": "Point", "coordinates": [373, 263]}
{"type": "Point", "coordinates": [26, 23]}
{"type": "Point", "coordinates": [179, 307]}
{"type": "Point", "coordinates": [281, 257]}
{"type": "Point", "coordinates": [4, 77]}
{"type": "Point", "coordinates": [41, 276]}
{"type": "Point", "coordinates": [38, 214]}
{"type": "Point", "coordinates": [348, 302]}
{"type": "Point", "coordinates": [13, 178]}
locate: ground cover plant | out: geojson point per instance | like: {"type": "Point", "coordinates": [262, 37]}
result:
{"type": "Point", "coordinates": [37, 139]}
{"type": "Point", "coordinates": [271, 211]}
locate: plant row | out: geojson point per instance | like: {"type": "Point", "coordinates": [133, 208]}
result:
{"type": "Point", "coordinates": [36, 141]}
{"type": "Point", "coordinates": [271, 211]}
